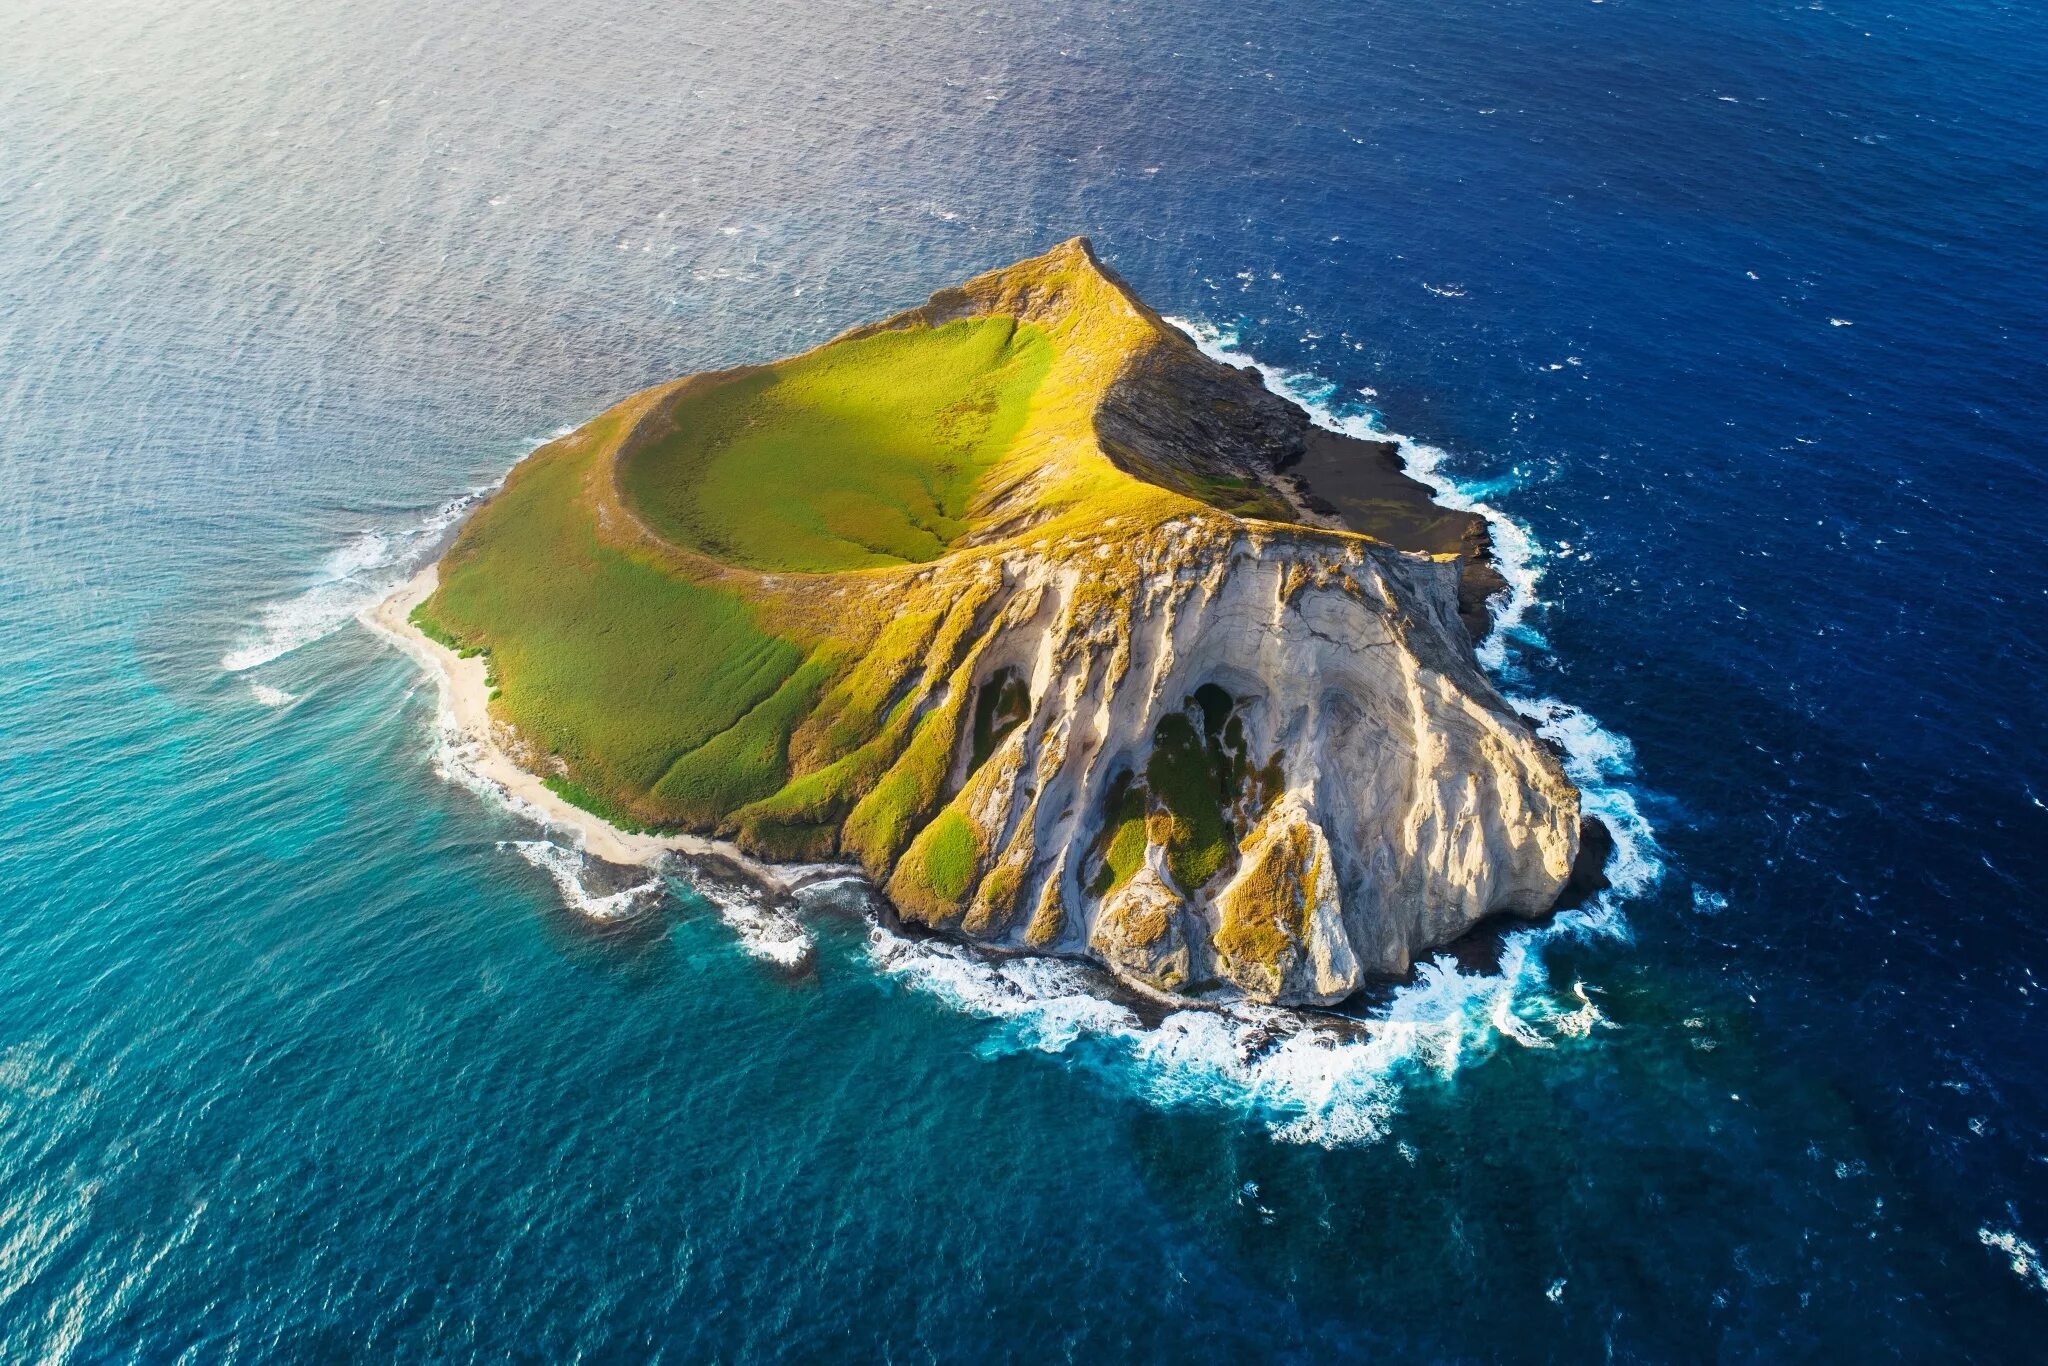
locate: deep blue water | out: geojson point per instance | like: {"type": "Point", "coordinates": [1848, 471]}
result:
{"type": "Point", "coordinates": [1738, 309]}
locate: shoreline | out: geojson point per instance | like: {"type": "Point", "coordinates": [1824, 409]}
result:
{"type": "Point", "coordinates": [464, 708]}
{"type": "Point", "coordinates": [464, 702]}
{"type": "Point", "coordinates": [1335, 481]}
{"type": "Point", "coordinates": [1364, 485]}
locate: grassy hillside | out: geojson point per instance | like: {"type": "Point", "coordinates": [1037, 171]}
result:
{"type": "Point", "coordinates": [754, 603]}
{"type": "Point", "coordinates": [670, 689]}
{"type": "Point", "coordinates": [863, 453]}
{"type": "Point", "coordinates": [602, 660]}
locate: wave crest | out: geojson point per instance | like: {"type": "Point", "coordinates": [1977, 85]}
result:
{"type": "Point", "coordinates": [569, 867]}
{"type": "Point", "coordinates": [358, 573]}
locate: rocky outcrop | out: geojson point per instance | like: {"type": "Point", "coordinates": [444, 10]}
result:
{"type": "Point", "coordinates": [1368, 795]}
{"type": "Point", "coordinates": [1186, 690]}
{"type": "Point", "coordinates": [1259, 758]}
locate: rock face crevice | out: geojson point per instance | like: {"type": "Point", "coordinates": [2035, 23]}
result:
{"type": "Point", "coordinates": [1406, 803]}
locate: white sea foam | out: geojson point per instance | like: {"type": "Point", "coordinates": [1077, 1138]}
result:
{"type": "Point", "coordinates": [358, 573]}
{"type": "Point", "coordinates": [2025, 1261]}
{"type": "Point", "coordinates": [363, 570]}
{"type": "Point", "coordinates": [566, 866]}
{"type": "Point", "coordinates": [770, 933]}
{"type": "Point", "coordinates": [1299, 1075]}
{"type": "Point", "coordinates": [1302, 1076]}
{"type": "Point", "coordinates": [1516, 554]}
{"type": "Point", "coordinates": [457, 759]}
{"type": "Point", "coordinates": [272, 697]}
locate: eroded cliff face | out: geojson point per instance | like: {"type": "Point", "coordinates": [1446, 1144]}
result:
{"type": "Point", "coordinates": [1255, 761]}
{"type": "Point", "coordinates": [1154, 703]}
{"type": "Point", "coordinates": [1259, 758]}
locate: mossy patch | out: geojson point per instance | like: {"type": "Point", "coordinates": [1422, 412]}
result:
{"type": "Point", "coordinates": [1227, 493]}
{"type": "Point", "coordinates": [577, 795]}
{"type": "Point", "coordinates": [866, 696]}
{"type": "Point", "coordinates": [1264, 918]}
{"type": "Point", "coordinates": [1189, 790]}
{"type": "Point", "coordinates": [1118, 850]}
{"type": "Point", "coordinates": [433, 630]}
{"type": "Point", "coordinates": [1199, 792]}
{"type": "Point", "coordinates": [1239, 497]}
{"type": "Point", "coordinates": [995, 901]}
{"type": "Point", "coordinates": [885, 819]}
{"type": "Point", "coordinates": [938, 870]}
{"type": "Point", "coordinates": [950, 852]}
{"type": "Point", "coordinates": [1048, 918]}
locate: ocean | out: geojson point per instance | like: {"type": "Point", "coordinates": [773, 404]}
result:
{"type": "Point", "coordinates": [1733, 315]}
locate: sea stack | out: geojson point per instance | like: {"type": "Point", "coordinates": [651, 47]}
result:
{"type": "Point", "coordinates": [1075, 640]}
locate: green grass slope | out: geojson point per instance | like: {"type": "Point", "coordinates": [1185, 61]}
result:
{"type": "Point", "coordinates": [669, 693]}
{"type": "Point", "coordinates": [754, 603]}
{"type": "Point", "coordinates": [608, 664]}
{"type": "Point", "coordinates": [860, 454]}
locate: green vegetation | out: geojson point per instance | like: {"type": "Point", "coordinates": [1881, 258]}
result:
{"type": "Point", "coordinates": [431, 629]}
{"type": "Point", "coordinates": [756, 603]}
{"type": "Point", "coordinates": [882, 824]}
{"type": "Point", "coordinates": [609, 663]}
{"type": "Point", "coordinates": [1189, 790]}
{"type": "Point", "coordinates": [863, 453]}
{"type": "Point", "coordinates": [997, 899]}
{"type": "Point", "coordinates": [750, 760]}
{"type": "Point", "coordinates": [950, 852]}
{"type": "Point", "coordinates": [1239, 497]}
{"type": "Point", "coordinates": [1265, 914]}
{"type": "Point", "coordinates": [578, 795]}
{"type": "Point", "coordinates": [1198, 797]}
{"type": "Point", "coordinates": [1119, 848]}
{"type": "Point", "coordinates": [861, 702]}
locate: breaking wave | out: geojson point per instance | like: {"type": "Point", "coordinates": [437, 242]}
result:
{"type": "Point", "coordinates": [370, 565]}
{"type": "Point", "coordinates": [365, 568]}
{"type": "Point", "coordinates": [1306, 1078]}
{"type": "Point", "coordinates": [770, 933]}
{"type": "Point", "coordinates": [569, 867]}
{"type": "Point", "coordinates": [1315, 1079]}
{"type": "Point", "coordinates": [2026, 1263]}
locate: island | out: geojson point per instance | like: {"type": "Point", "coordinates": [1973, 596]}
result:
{"type": "Point", "coordinates": [1072, 639]}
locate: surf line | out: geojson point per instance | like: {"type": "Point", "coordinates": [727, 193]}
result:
{"type": "Point", "coordinates": [1305, 1078]}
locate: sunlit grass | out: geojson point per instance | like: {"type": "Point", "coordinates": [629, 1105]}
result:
{"type": "Point", "coordinates": [863, 453]}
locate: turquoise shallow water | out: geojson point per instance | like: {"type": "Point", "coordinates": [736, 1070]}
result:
{"type": "Point", "coordinates": [1736, 312]}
